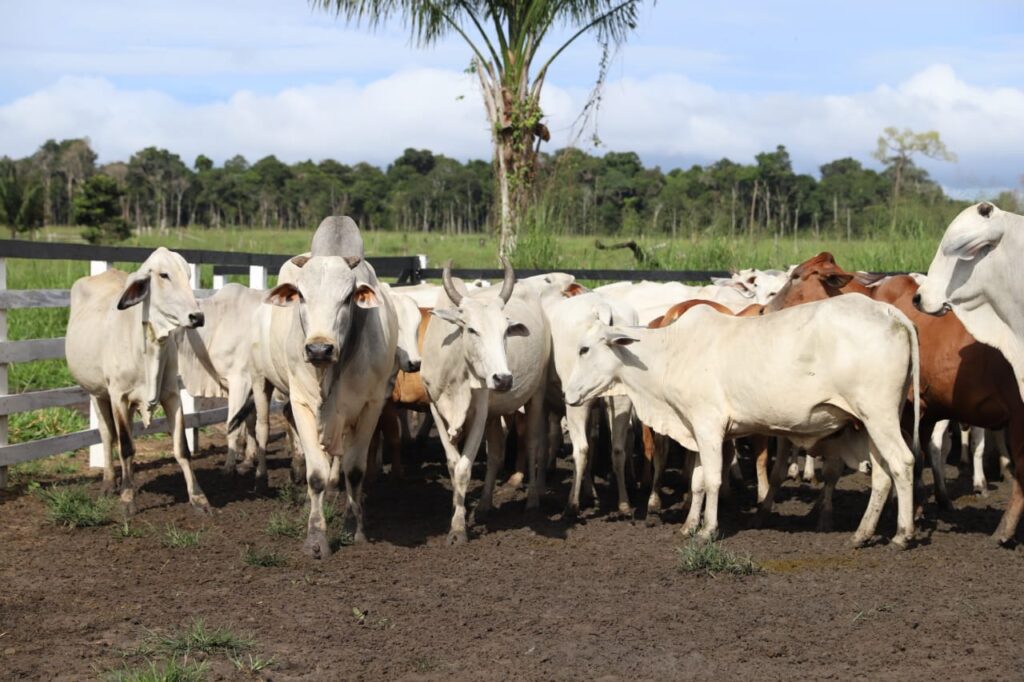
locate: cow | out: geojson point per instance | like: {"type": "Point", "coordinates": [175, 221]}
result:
{"type": "Point", "coordinates": [572, 315]}
{"type": "Point", "coordinates": [711, 377]}
{"type": "Point", "coordinates": [974, 274]}
{"type": "Point", "coordinates": [651, 299]}
{"type": "Point", "coordinates": [213, 360]}
{"type": "Point", "coordinates": [961, 378]}
{"type": "Point", "coordinates": [328, 341]}
{"type": "Point", "coordinates": [485, 355]}
{"type": "Point", "coordinates": [120, 349]}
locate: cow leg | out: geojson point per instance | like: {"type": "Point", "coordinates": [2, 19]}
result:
{"type": "Point", "coordinates": [123, 415]}
{"type": "Point", "coordinates": [392, 437]}
{"type": "Point", "coordinates": [760, 447]}
{"type": "Point", "coordinates": [576, 419]}
{"type": "Point", "coordinates": [554, 441]}
{"type": "Point", "coordinates": [536, 433]}
{"type": "Point", "coordinates": [108, 430]}
{"type": "Point", "coordinates": [1007, 528]}
{"type": "Point", "coordinates": [619, 411]}
{"type": "Point", "coordinates": [693, 516]}
{"type": "Point", "coordinates": [937, 463]}
{"type": "Point", "coordinates": [519, 475]}
{"type": "Point", "coordinates": [171, 402]}
{"type": "Point", "coordinates": [880, 484]}
{"type": "Point", "coordinates": [998, 436]}
{"type": "Point", "coordinates": [261, 400]}
{"type": "Point", "coordinates": [298, 460]}
{"type": "Point", "coordinates": [778, 475]}
{"type": "Point", "coordinates": [809, 460]}
{"type": "Point", "coordinates": [353, 465]}
{"type": "Point", "coordinates": [236, 398]}
{"type": "Point", "coordinates": [711, 462]}
{"type": "Point", "coordinates": [495, 435]}
{"type": "Point", "coordinates": [659, 453]}
{"type": "Point", "coordinates": [831, 470]}
{"type": "Point", "coordinates": [647, 438]}
{"type": "Point", "coordinates": [977, 434]}
{"type": "Point", "coordinates": [318, 471]}
{"type": "Point", "coordinates": [897, 459]}
{"type": "Point", "coordinates": [460, 464]}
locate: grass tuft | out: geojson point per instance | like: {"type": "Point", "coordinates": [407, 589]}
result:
{"type": "Point", "coordinates": [251, 665]}
{"type": "Point", "coordinates": [126, 530]}
{"type": "Point", "coordinates": [171, 671]}
{"type": "Point", "coordinates": [263, 558]}
{"type": "Point", "coordinates": [710, 558]}
{"type": "Point", "coordinates": [285, 525]}
{"type": "Point", "coordinates": [72, 506]}
{"type": "Point", "coordinates": [198, 637]}
{"type": "Point", "coordinates": [179, 538]}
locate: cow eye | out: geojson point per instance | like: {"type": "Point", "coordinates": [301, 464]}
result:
{"type": "Point", "coordinates": [164, 275]}
{"type": "Point", "coordinates": [584, 350]}
{"type": "Point", "coordinates": [472, 331]}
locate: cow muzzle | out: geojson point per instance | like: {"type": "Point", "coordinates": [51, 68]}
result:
{"type": "Point", "coordinates": [501, 382]}
{"type": "Point", "coordinates": [411, 366]}
{"type": "Point", "coordinates": [319, 353]}
{"type": "Point", "coordinates": [196, 320]}
{"type": "Point", "coordinates": [938, 313]}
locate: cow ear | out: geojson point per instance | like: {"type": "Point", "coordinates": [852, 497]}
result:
{"type": "Point", "coordinates": [136, 290]}
{"type": "Point", "coordinates": [603, 312]}
{"type": "Point", "coordinates": [299, 261]}
{"type": "Point", "coordinates": [620, 339]}
{"type": "Point", "coordinates": [450, 315]}
{"type": "Point", "coordinates": [517, 329]}
{"type": "Point", "coordinates": [283, 295]}
{"type": "Point", "coordinates": [836, 281]}
{"type": "Point", "coordinates": [365, 296]}
{"type": "Point", "coordinates": [574, 289]}
{"type": "Point", "coordinates": [968, 246]}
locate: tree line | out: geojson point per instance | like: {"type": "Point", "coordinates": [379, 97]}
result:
{"type": "Point", "coordinates": [575, 193]}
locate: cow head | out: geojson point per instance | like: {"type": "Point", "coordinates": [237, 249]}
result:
{"type": "Point", "coordinates": [484, 329]}
{"type": "Point", "coordinates": [599, 363]}
{"type": "Point", "coordinates": [329, 295]}
{"type": "Point", "coordinates": [813, 280]}
{"type": "Point", "coordinates": [968, 261]}
{"type": "Point", "coordinates": [162, 284]}
{"type": "Point", "coordinates": [409, 317]}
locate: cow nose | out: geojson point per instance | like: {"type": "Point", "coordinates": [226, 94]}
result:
{"type": "Point", "coordinates": [917, 301]}
{"type": "Point", "coordinates": [318, 352]}
{"type": "Point", "coordinates": [196, 320]}
{"type": "Point", "coordinates": [414, 366]}
{"type": "Point", "coordinates": [502, 382]}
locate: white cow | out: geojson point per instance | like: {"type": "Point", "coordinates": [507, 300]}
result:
{"type": "Point", "coordinates": [652, 299]}
{"type": "Point", "coordinates": [976, 274]}
{"type": "Point", "coordinates": [120, 349]}
{"type": "Point", "coordinates": [485, 355]}
{"type": "Point", "coordinates": [407, 349]}
{"type": "Point", "coordinates": [327, 342]}
{"type": "Point", "coordinates": [214, 361]}
{"type": "Point", "coordinates": [709, 377]}
{"type": "Point", "coordinates": [570, 318]}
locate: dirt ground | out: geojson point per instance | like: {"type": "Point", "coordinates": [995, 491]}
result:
{"type": "Point", "coordinates": [600, 599]}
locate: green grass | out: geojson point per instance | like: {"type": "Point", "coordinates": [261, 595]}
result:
{"type": "Point", "coordinates": [251, 665]}
{"type": "Point", "coordinates": [286, 525]}
{"type": "Point", "coordinates": [710, 558]}
{"type": "Point", "coordinates": [73, 507]}
{"type": "Point", "coordinates": [263, 558]}
{"type": "Point", "coordinates": [179, 538]}
{"type": "Point", "coordinates": [126, 530]}
{"type": "Point", "coordinates": [198, 637]}
{"type": "Point", "coordinates": [169, 671]}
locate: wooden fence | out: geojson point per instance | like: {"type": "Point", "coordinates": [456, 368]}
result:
{"type": "Point", "coordinates": [404, 270]}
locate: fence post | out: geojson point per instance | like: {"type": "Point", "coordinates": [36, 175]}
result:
{"type": "Point", "coordinates": [188, 402]}
{"type": "Point", "coordinates": [3, 369]}
{"type": "Point", "coordinates": [96, 456]}
{"type": "Point", "coordinates": [257, 277]}
{"type": "Point", "coordinates": [219, 281]}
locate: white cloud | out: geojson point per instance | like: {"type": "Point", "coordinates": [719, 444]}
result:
{"type": "Point", "coordinates": [668, 119]}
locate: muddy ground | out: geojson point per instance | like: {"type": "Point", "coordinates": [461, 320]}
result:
{"type": "Point", "coordinates": [600, 599]}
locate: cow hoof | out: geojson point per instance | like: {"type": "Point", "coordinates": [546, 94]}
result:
{"type": "Point", "coordinates": [244, 468]}
{"type": "Point", "coordinates": [1002, 539]}
{"type": "Point", "coordinates": [919, 513]}
{"type": "Point", "coordinates": [707, 536]}
{"type": "Point", "coordinates": [457, 537]}
{"type": "Point", "coordinates": [261, 487]}
{"type": "Point", "coordinates": [571, 512]}
{"type": "Point", "coordinates": [359, 538]}
{"type": "Point", "coordinates": [946, 505]}
{"type": "Point", "coordinates": [652, 520]}
{"type": "Point", "coordinates": [824, 524]}
{"type": "Point", "coordinates": [229, 469]}
{"type": "Point", "coordinates": [200, 505]}
{"type": "Point", "coordinates": [129, 508]}
{"type": "Point", "coordinates": [858, 541]}
{"type": "Point", "coordinates": [794, 471]}
{"type": "Point", "coordinates": [902, 542]}
{"type": "Point", "coordinates": [515, 480]}
{"type": "Point", "coordinates": [108, 487]}
{"type": "Point", "coordinates": [299, 476]}
{"type": "Point", "coordinates": [316, 545]}
{"type": "Point", "coordinates": [981, 491]}
{"type": "Point", "coordinates": [480, 516]}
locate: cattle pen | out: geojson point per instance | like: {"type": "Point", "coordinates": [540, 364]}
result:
{"type": "Point", "coordinates": [256, 267]}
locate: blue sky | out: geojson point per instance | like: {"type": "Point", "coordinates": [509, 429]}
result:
{"type": "Point", "coordinates": [696, 82]}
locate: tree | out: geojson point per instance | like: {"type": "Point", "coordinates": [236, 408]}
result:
{"type": "Point", "coordinates": [897, 148]}
{"type": "Point", "coordinates": [21, 199]}
{"type": "Point", "coordinates": [98, 209]}
{"type": "Point", "coordinates": [505, 38]}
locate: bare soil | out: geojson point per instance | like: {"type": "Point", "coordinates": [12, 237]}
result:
{"type": "Point", "coordinates": [599, 599]}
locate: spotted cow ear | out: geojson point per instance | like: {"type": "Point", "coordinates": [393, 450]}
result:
{"type": "Point", "coordinates": [621, 339]}
{"type": "Point", "coordinates": [135, 291]}
{"type": "Point", "coordinates": [283, 295]}
{"type": "Point", "coordinates": [365, 296]}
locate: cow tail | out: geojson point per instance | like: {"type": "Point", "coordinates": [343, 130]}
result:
{"type": "Point", "coordinates": [915, 363]}
{"type": "Point", "coordinates": [243, 413]}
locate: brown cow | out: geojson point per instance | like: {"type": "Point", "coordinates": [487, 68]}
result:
{"type": "Point", "coordinates": [961, 379]}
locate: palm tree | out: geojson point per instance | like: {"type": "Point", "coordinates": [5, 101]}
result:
{"type": "Point", "coordinates": [504, 37]}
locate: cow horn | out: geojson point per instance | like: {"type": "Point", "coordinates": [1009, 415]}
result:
{"type": "Point", "coordinates": [449, 286]}
{"type": "Point", "coordinates": [509, 281]}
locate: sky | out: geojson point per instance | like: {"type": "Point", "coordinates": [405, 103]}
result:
{"type": "Point", "coordinates": [697, 81]}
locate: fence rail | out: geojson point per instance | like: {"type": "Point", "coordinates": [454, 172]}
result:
{"type": "Point", "coordinates": [257, 266]}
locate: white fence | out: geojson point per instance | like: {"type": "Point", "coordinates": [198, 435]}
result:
{"type": "Point", "coordinates": [406, 269]}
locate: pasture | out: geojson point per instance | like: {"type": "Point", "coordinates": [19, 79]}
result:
{"type": "Point", "coordinates": [169, 594]}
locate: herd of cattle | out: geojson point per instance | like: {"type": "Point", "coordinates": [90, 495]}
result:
{"type": "Point", "coordinates": [780, 358]}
